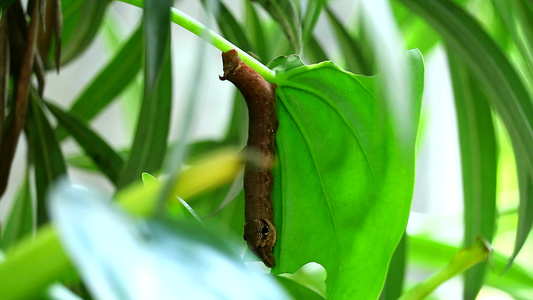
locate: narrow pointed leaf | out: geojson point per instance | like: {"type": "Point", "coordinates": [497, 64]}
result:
{"type": "Point", "coordinates": [150, 141]}
{"type": "Point", "coordinates": [81, 21]}
{"type": "Point", "coordinates": [506, 90]}
{"type": "Point", "coordinates": [103, 156]}
{"type": "Point", "coordinates": [314, 8]}
{"type": "Point", "coordinates": [20, 221]}
{"type": "Point", "coordinates": [110, 82]}
{"type": "Point", "coordinates": [256, 31]}
{"type": "Point", "coordinates": [338, 151]}
{"type": "Point", "coordinates": [47, 157]}
{"type": "Point", "coordinates": [285, 13]}
{"type": "Point", "coordinates": [479, 165]}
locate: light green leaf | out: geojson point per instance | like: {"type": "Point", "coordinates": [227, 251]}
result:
{"type": "Point", "coordinates": [479, 165]}
{"type": "Point", "coordinates": [312, 12]}
{"type": "Point", "coordinates": [20, 221]}
{"type": "Point", "coordinates": [150, 142]}
{"type": "Point", "coordinates": [343, 187]}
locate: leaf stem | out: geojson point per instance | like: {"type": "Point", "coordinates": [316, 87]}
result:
{"type": "Point", "coordinates": [199, 29]}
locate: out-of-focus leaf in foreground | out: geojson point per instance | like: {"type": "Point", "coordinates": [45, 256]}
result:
{"type": "Point", "coordinates": [344, 183]}
{"type": "Point", "coordinates": [120, 258]}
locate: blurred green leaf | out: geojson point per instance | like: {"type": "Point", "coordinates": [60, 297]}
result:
{"type": "Point", "coordinates": [463, 260]}
{"type": "Point", "coordinates": [45, 151]}
{"type": "Point", "coordinates": [396, 273]}
{"type": "Point", "coordinates": [110, 82]}
{"type": "Point", "coordinates": [347, 166]}
{"type": "Point", "coordinates": [354, 57]}
{"type": "Point", "coordinates": [108, 161]}
{"type": "Point", "coordinates": [230, 27]}
{"type": "Point", "coordinates": [314, 52]}
{"type": "Point", "coordinates": [312, 12]}
{"type": "Point", "coordinates": [426, 253]}
{"type": "Point", "coordinates": [285, 13]}
{"type": "Point", "coordinates": [81, 21]}
{"type": "Point", "coordinates": [20, 221]}
{"type": "Point", "coordinates": [173, 255]}
{"type": "Point", "coordinates": [150, 142]}
{"type": "Point", "coordinates": [479, 165]}
{"type": "Point", "coordinates": [254, 27]}
{"type": "Point", "coordinates": [506, 91]}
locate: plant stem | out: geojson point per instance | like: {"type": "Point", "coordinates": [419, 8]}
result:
{"type": "Point", "coordinates": [213, 38]}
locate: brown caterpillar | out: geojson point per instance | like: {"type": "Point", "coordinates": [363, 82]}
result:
{"type": "Point", "coordinates": [259, 229]}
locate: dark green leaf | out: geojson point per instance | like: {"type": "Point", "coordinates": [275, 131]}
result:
{"type": "Point", "coordinates": [354, 57]}
{"type": "Point", "coordinates": [479, 165]}
{"type": "Point", "coordinates": [284, 12]}
{"type": "Point", "coordinates": [150, 142]}
{"type": "Point", "coordinates": [81, 21]}
{"type": "Point", "coordinates": [20, 221]}
{"type": "Point", "coordinates": [493, 70]}
{"type": "Point", "coordinates": [297, 290]}
{"type": "Point", "coordinates": [396, 273]}
{"type": "Point", "coordinates": [230, 27]}
{"type": "Point", "coordinates": [112, 80]}
{"type": "Point", "coordinates": [46, 153]}
{"type": "Point", "coordinates": [107, 160]}
{"type": "Point", "coordinates": [314, 53]}
{"type": "Point", "coordinates": [338, 151]}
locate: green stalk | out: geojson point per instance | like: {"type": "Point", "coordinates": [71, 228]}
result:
{"type": "Point", "coordinates": [462, 261]}
{"type": "Point", "coordinates": [213, 38]}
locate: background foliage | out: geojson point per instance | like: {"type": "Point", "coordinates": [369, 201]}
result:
{"type": "Point", "coordinates": [489, 46]}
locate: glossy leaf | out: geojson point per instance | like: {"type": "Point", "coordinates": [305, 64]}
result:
{"type": "Point", "coordinates": [20, 221]}
{"type": "Point", "coordinates": [338, 151]}
{"type": "Point", "coordinates": [150, 141]}
{"type": "Point", "coordinates": [47, 157]}
{"type": "Point", "coordinates": [506, 91]}
{"type": "Point", "coordinates": [479, 165]}
{"type": "Point", "coordinates": [108, 161]}
{"type": "Point", "coordinates": [285, 13]}
{"type": "Point", "coordinates": [116, 255]}
{"type": "Point", "coordinates": [110, 82]}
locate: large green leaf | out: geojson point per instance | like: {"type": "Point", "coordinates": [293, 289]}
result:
{"type": "Point", "coordinates": [45, 151]}
{"type": "Point", "coordinates": [150, 142]}
{"type": "Point", "coordinates": [108, 84]}
{"type": "Point", "coordinates": [479, 164]}
{"type": "Point", "coordinates": [344, 183]}
{"type": "Point", "coordinates": [507, 93]}
{"type": "Point", "coordinates": [108, 161]}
